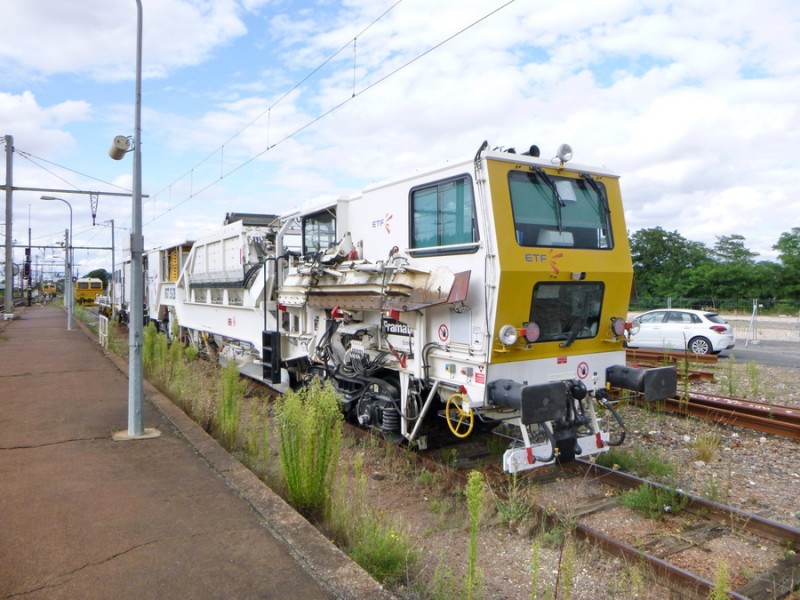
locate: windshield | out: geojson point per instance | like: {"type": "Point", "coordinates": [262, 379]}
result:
{"type": "Point", "coordinates": [566, 311]}
{"type": "Point", "coordinates": [559, 211]}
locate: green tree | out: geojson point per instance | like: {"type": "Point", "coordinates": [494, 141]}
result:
{"type": "Point", "coordinates": [788, 247]}
{"type": "Point", "coordinates": [731, 249]}
{"type": "Point", "coordinates": [662, 260]}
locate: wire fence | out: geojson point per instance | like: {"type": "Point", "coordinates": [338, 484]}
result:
{"type": "Point", "coordinates": [741, 306]}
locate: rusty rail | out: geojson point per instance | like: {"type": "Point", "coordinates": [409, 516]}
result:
{"type": "Point", "coordinates": [778, 582]}
{"type": "Point", "coordinates": [758, 416]}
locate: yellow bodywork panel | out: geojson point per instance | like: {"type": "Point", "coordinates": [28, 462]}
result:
{"type": "Point", "coordinates": [521, 267]}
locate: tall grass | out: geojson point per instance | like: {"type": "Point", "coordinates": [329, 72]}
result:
{"type": "Point", "coordinates": [309, 424]}
{"type": "Point", "coordinates": [474, 492]}
{"type": "Point", "coordinates": [230, 405]}
{"type": "Point", "coordinates": [381, 547]}
{"type": "Point", "coordinates": [721, 588]}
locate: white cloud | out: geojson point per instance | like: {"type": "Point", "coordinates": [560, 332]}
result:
{"type": "Point", "coordinates": [695, 105]}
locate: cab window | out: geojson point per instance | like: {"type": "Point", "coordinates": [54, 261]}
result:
{"type": "Point", "coordinates": [443, 217]}
{"type": "Point", "coordinates": [553, 211]}
{"type": "Point", "coordinates": [319, 232]}
{"type": "Point", "coordinates": [567, 310]}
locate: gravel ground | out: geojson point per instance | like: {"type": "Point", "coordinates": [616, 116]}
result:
{"type": "Point", "coordinates": [748, 470]}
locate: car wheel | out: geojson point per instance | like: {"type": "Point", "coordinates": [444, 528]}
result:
{"type": "Point", "coordinates": [700, 345]}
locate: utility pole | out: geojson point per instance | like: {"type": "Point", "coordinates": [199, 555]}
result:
{"type": "Point", "coordinates": [9, 291]}
{"type": "Point", "coordinates": [136, 429]}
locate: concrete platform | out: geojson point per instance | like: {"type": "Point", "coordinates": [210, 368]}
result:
{"type": "Point", "coordinates": [175, 516]}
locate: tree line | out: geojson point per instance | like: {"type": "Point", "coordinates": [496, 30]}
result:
{"type": "Point", "coordinates": [667, 265]}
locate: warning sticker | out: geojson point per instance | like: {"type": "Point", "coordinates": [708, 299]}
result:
{"type": "Point", "coordinates": [583, 370]}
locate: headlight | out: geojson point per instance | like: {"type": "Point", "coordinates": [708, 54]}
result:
{"type": "Point", "coordinates": [508, 335]}
{"type": "Point", "coordinates": [617, 326]}
{"type": "Point", "coordinates": [634, 328]}
{"type": "Point", "coordinates": [531, 332]}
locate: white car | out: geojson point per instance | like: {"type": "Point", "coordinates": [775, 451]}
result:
{"type": "Point", "coordinates": [699, 331]}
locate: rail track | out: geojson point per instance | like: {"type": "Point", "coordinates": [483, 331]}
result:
{"type": "Point", "coordinates": [680, 551]}
{"type": "Point", "coordinates": [696, 530]}
{"type": "Point", "coordinates": [758, 416]}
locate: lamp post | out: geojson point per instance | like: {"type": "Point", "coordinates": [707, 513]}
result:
{"type": "Point", "coordinates": [68, 287]}
{"type": "Point", "coordinates": [118, 149]}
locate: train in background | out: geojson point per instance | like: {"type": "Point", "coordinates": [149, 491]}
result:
{"type": "Point", "coordinates": [48, 289]}
{"type": "Point", "coordinates": [489, 293]}
{"type": "Point", "coordinates": [87, 289]}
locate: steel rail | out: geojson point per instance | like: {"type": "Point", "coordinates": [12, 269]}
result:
{"type": "Point", "coordinates": [767, 418]}
{"type": "Point", "coordinates": [776, 583]}
{"type": "Point", "coordinates": [766, 528]}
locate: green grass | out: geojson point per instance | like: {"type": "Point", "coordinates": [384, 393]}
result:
{"type": "Point", "coordinates": [382, 549]}
{"type": "Point", "coordinates": [706, 446]}
{"type": "Point", "coordinates": [515, 503]}
{"type": "Point", "coordinates": [309, 424]}
{"type": "Point", "coordinates": [230, 404]}
{"type": "Point", "coordinates": [653, 502]}
{"type": "Point", "coordinates": [474, 491]}
{"type": "Point", "coordinates": [638, 461]}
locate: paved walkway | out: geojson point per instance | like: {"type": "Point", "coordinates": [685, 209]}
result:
{"type": "Point", "coordinates": [82, 516]}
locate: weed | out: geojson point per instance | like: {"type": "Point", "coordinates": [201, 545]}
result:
{"type": "Point", "coordinates": [449, 458]}
{"type": "Point", "coordinates": [230, 405]}
{"type": "Point", "coordinates": [441, 506]}
{"type": "Point", "coordinates": [425, 477]}
{"type": "Point", "coordinates": [638, 461]}
{"type": "Point", "coordinates": [629, 584]}
{"type": "Point", "coordinates": [445, 585]}
{"type": "Point", "coordinates": [729, 381]}
{"type": "Point", "coordinates": [515, 506]}
{"type": "Point", "coordinates": [721, 583]}
{"type": "Point", "coordinates": [654, 502]}
{"type": "Point", "coordinates": [382, 549]}
{"type": "Point", "coordinates": [115, 344]}
{"type": "Point", "coordinates": [474, 493]}
{"type": "Point", "coordinates": [711, 489]}
{"type": "Point", "coordinates": [497, 445]}
{"type": "Point", "coordinates": [191, 353]}
{"type": "Point", "coordinates": [566, 568]}
{"type": "Point", "coordinates": [754, 379]}
{"type": "Point", "coordinates": [551, 533]}
{"type": "Point", "coordinates": [309, 424]}
{"type": "Point", "coordinates": [536, 558]}
{"type": "Point", "coordinates": [706, 446]}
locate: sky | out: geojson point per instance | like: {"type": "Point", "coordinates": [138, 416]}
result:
{"type": "Point", "coordinates": [265, 105]}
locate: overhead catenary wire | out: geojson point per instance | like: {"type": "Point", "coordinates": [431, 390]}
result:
{"type": "Point", "coordinates": [355, 93]}
{"type": "Point", "coordinates": [270, 146]}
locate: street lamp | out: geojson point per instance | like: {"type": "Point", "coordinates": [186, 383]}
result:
{"type": "Point", "coordinates": [68, 288]}
{"type": "Point", "coordinates": [119, 148]}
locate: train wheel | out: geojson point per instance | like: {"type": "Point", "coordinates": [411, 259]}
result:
{"type": "Point", "coordinates": [460, 417]}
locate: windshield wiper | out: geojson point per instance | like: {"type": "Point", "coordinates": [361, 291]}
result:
{"type": "Point", "coordinates": [579, 321]}
{"type": "Point", "coordinates": [597, 190]}
{"type": "Point", "coordinates": [559, 201]}
{"type": "Point", "coordinates": [577, 327]}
